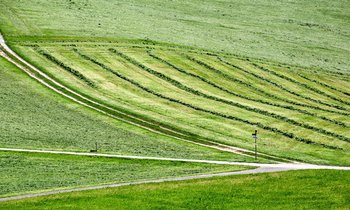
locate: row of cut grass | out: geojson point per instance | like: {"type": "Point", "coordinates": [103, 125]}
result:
{"type": "Point", "coordinates": [312, 88]}
{"type": "Point", "coordinates": [33, 117]}
{"type": "Point", "coordinates": [284, 88]}
{"type": "Point", "coordinates": [208, 125]}
{"type": "Point", "coordinates": [287, 134]}
{"type": "Point", "coordinates": [232, 103]}
{"type": "Point", "coordinates": [202, 63]}
{"type": "Point", "coordinates": [243, 96]}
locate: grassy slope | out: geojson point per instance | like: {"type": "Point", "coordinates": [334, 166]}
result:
{"type": "Point", "coordinates": [312, 189]}
{"type": "Point", "coordinates": [47, 171]}
{"type": "Point", "coordinates": [34, 117]}
{"type": "Point", "coordinates": [179, 86]}
{"type": "Point", "coordinates": [307, 33]}
{"type": "Point", "coordinates": [232, 29]}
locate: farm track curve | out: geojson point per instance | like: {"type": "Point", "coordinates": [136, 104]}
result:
{"type": "Point", "coordinates": [261, 168]}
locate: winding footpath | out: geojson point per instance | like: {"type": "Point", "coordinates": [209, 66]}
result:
{"type": "Point", "coordinates": [261, 168]}
{"type": "Point", "coordinates": [8, 54]}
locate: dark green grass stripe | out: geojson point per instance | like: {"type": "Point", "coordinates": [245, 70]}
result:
{"type": "Point", "coordinates": [260, 125]}
{"type": "Point", "coordinates": [302, 84]}
{"type": "Point", "coordinates": [231, 103]}
{"type": "Point", "coordinates": [242, 96]}
{"type": "Point", "coordinates": [282, 88]}
{"type": "Point", "coordinates": [322, 84]}
{"type": "Point", "coordinates": [285, 89]}
{"type": "Point", "coordinates": [59, 63]}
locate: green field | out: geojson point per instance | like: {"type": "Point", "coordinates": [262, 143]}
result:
{"type": "Point", "coordinates": [177, 79]}
{"type": "Point", "coordinates": [205, 90]}
{"type": "Point", "coordinates": [206, 96]}
{"type": "Point", "coordinates": [33, 117]}
{"type": "Point", "coordinates": [47, 171]}
{"type": "Point", "coordinates": [284, 190]}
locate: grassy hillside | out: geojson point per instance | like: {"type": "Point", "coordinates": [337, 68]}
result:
{"type": "Point", "coordinates": [216, 97]}
{"type": "Point", "coordinates": [212, 95]}
{"type": "Point", "coordinates": [285, 190]}
{"type": "Point", "coordinates": [170, 76]}
{"type": "Point", "coordinates": [47, 171]}
{"type": "Point", "coordinates": [308, 33]}
{"type": "Point", "coordinates": [34, 117]}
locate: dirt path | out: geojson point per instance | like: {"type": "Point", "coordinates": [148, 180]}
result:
{"type": "Point", "coordinates": [261, 168]}
{"type": "Point", "coordinates": [284, 166]}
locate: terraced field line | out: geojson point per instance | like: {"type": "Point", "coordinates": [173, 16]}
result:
{"type": "Point", "coordinates": [221, 147]}
{"type": "Point", "coordinates": [262, 168]}
{"type": "Point", "coordinates": [151, 54]}
{"type": "Point", "coordinates": [190, 90]}
{"type": "Point", "coordinates": [282, 76]}
{"type": "Point", "coordinates": [322, 83]}
{"type": "Point", "coordinates": [315, 90]}
{"type": "Point", "coordinates": [277, 85]}
{"type": "Point", "coordinates": [213, 145]}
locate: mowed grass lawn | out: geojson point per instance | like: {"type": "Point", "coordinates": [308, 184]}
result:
{"type": "Point", "coordinates": [216, 97]}
{"type": "Point", "coordinates": [32, 172]}
{"type": "Point", "coordinates": [310, 189]}
{"type": "Point", "coordinates": [32, 116]}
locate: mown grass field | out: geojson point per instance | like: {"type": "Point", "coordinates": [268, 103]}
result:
{"type": "Point", "coordinates": [33, 117]}
{"type": "Point", "coordinates": [296, 91]}
{"type": "Point", "coordinates": [217, 97]}
{"type": "Point", "coordinates": [29, 172]}
{"type": "Point", "coordinates": [209, 72]}
{"type": "Point", "coordinates": [285, 190]}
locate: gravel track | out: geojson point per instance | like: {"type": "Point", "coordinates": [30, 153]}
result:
{"type": "Point", "coordinates": [261, 168]}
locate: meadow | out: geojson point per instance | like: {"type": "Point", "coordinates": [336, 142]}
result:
{"type": "Point", "coordinates": [176, 79]}
{"type": "Point", "coordinates": [33, 117]}
{"type": "Point", "coordinates": [207, 96]}
{"type": "Point", "coordinates": [308, 189]}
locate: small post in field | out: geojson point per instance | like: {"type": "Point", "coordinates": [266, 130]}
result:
{"type": "Point", "coordinates": [96, 148]}
{"type": "Point", "coordinates": [255, 136]}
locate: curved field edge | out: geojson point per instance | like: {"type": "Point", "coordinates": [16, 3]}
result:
{"type": "Point", "coordinates": [48, 172]}
{"type": "Point", "coordinates": [262, 191]}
